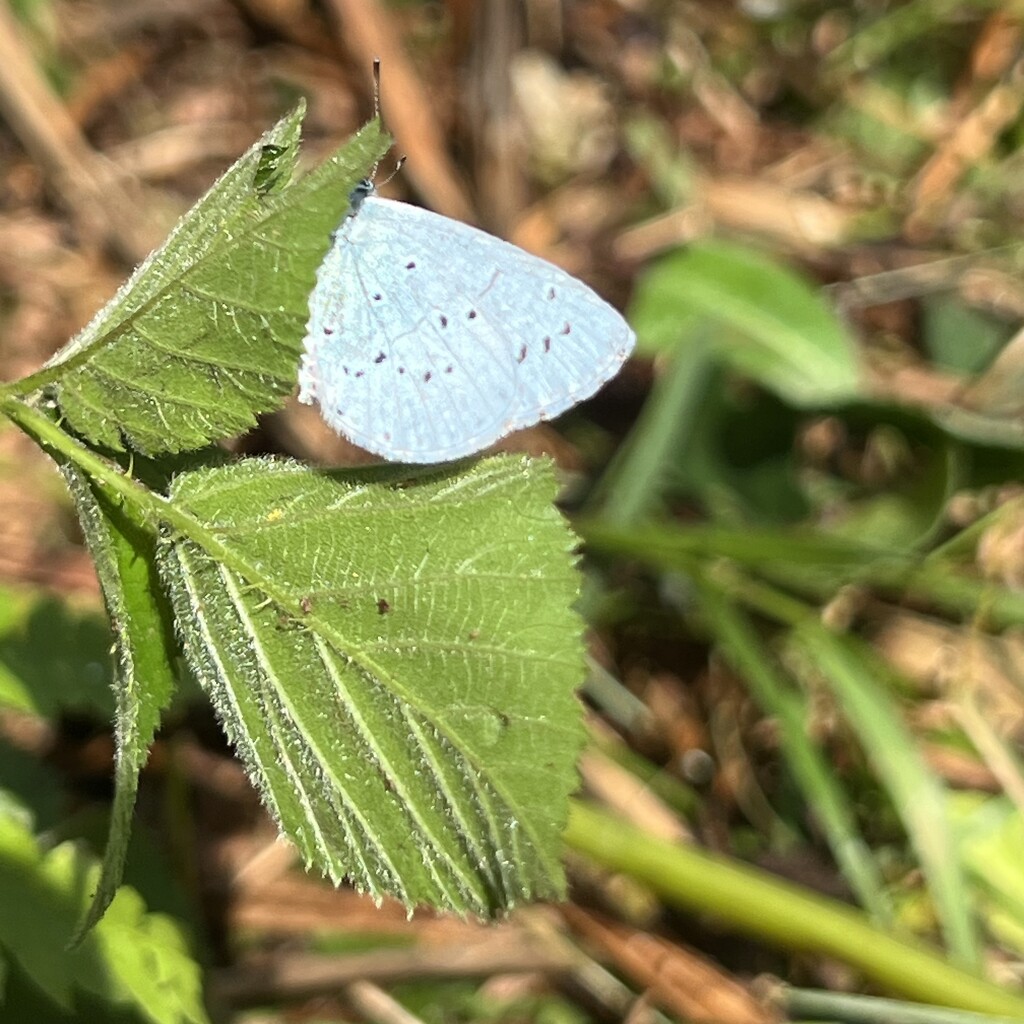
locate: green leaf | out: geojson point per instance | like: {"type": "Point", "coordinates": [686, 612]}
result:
{"type": "Point", "coordinates": [53, 658]}
{"type": "Point", "coordinates": [208, 330]}
{"type": "Point", "coordinates": [395, 661]}
{"type": "Point", "coordinates": [132, 958]}
{"type": "Point", "coordinates": [853, 673]}
{"type": "Point", "coordinates": [634, 485]}
{"type": "Point", "coordinates": [991, 836]}
{"type": "Point", "coordinates": [125, 558]}
{"type": "Point", "coordinates": [739, 475]}
{"type": "Point", "coordinates": [35, 785]}
{"type": "Point", "coordinates": [784, 336]}
{"type": "Point", "coordinates": [959, 337]}
{"type": "Point", "coordinates": [274, 168]}
{"type": "Point", "coordinates": [925, 470]}
{"type": "Point", "coordinates": [744, 647]}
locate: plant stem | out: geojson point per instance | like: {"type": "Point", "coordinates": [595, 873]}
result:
{"type": "Point", "coordinates": [851, 1009]}
{"type": "Point", "coordinates": [757, 904]}
{"type": "Point", "coordinates": [143, 506]}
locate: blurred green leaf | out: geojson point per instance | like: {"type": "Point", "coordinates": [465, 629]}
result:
{"type": "Point", "coordinates": [991, 837]}
{"type": "Point", "coordinates": [741, 475]}
{"type": "Point", "coordinates": [921, 471]}
{"type": "Point", "coordinates": [634, 484]}
{"type": "Point", "coordinates": [886, 30]}
{"type": "Point", "coordinates": [747, 651]}
{"type": "Point", "coordinates": [854, 674]}
{"type": "Point", "coordinates": [668, 167]}
{"type": "Point", "coordinates": [52, 657]}
{"type": "Point", "coordinates": [34, 785]}
{"type": "Point", "coordinates": [131, 959]}
{"type": "Point", "coordinates": [959, 337]}
{"type": "Point", "coordinates": [775, 327]}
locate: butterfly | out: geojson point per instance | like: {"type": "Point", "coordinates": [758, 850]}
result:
{"type": "Point", "coordinates": [429, 339]}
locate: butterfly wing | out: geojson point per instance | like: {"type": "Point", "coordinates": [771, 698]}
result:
{"type": "Point", "coordinates": [429, 340]}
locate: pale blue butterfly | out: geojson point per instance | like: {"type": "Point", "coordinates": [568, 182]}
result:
{"type": "Point", "coordinates": [429, 340]}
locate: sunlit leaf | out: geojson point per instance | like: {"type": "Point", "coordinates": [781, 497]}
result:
{"type": "Point", "coordinates": [208, 330]}
{"type": "Point", "coordinates": [143, 643]}
{"type": "Point", "coordinates": [395, 662]}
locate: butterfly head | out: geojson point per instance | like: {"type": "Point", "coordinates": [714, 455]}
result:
{"type": "Point", "coordinates": [355, 198]}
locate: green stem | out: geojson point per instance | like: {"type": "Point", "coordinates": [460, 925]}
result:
{"type": "Point", "coordinates": [769, 908]}
{"type": "Point", "coordinates": [963, 543]}
{"type": "Point", "coordinates": [809, 1003]}
{"type": "Point", "coordinates": [814, 566]}
{"type": "Point", "coordinates": [743, 647]}
{"type": "Point", "coordinates": [142, 506]}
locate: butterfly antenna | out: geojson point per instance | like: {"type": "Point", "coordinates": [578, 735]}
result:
{"type": "Point", "coordinates": [376, 86]}
{"type": "Point", "coordinates": [376, 113]}
{"type": "Point", "coordinates": [398, 166]}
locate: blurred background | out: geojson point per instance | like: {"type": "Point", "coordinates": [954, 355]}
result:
{"type": "Point", "coordinates": [801, 502]}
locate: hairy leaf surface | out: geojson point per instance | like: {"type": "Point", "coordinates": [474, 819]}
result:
{"type": "Point", "coordinates": [208, 330]}
{"type": "Point", "coordinates": [395, 662]}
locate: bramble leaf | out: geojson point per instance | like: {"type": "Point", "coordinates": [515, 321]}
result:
{"type": "Point", "coordinates": [394, 660]}
{"type": "Point", "coordinates": [208, 330]}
